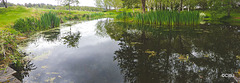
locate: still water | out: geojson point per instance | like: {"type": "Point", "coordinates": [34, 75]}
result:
{"type": "Point", "coordinates": [103, 51]}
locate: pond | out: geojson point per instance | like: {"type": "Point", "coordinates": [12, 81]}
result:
{"type": "Point", "coordinates": [104, 51]}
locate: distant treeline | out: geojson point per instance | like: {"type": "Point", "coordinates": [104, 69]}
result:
{"type": "Point", "coordinates": [9, 4]}
{"type": "Point", "coordinates": [49, 6]}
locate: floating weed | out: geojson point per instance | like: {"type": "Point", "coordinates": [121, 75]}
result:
{"type": "Point", "coordinates": [50, 80]}
{"type": "Point", "coordinates": [44, 67]}
{"type": "Point", "coordinates": [42, 57]}
{"type": "Point", "coordinates": [52, 73]}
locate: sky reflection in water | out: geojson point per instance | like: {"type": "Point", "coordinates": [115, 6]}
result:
{"type": "Point", "coordinates": [89, 61]}
{"type": "Point", "coordinates": [102, 51]}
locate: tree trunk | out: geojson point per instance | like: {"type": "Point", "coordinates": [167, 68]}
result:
{"type": "Point", "coordinates": [69, 8]}
{"type": "Point", "coordinates": [229, 9]}
{"type": "Point", "coordinates": [163, 7]}
{"type": "Point", "coordinates": [156, 5]}
{"type": "Point", "coordinates": [160, 6]}
{"type": "Point", "coordinates": [143, 5]}
{"type": "Point", "coordinates": [5, 3]}
{"type": "Point", "coordinates": [133, 9]}
{"type": "Point", "coordinates": [180, 7]}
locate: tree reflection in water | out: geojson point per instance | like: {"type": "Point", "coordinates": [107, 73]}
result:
{"type": "Point", "coordinates": [71, 39]}
{"type": "Point", "coordinates": [23, 68]}
{"type": "Point", "coordinates": [196, 54]}
{"type": "Point", "coordinates": [52, 35]}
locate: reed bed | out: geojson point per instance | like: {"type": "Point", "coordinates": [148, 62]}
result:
{"type": "Point", "coordinates": [162, 17]}
{"type": "Point", "coordinates": [29, 24]}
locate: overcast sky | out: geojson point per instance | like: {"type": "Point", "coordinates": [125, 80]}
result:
{"type": "Point", "coordinates": [54, 2]}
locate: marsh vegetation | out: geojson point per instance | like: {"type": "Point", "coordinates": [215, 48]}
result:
{"type": "Point", "coordinates": [162, 17]}
{"type": "Point", "coordinates": [30, 24]}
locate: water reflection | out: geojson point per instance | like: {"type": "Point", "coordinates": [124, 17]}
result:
{"type": "Point", "coordinates": [144, 54]}
{"type": "Point", "coordinates": [23, 68]}
{"type": "Point", "coordinates": [52, 35]}
{"type": "Point", "coordinates": [68, 37]}
{"type": "Point", "coordinates": [198, 54]}
{"type": "Point", "coordinates": [71, 39]}
{"type": "Point", "coordinates": [89, 62]}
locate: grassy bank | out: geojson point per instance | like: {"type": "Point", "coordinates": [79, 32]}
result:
{"type": "Point", "coordinates": [10, 15]}
{"type": "Point", "coordinates": [80, 15]}
{"type": "Point", "coordinates": [220, 18]}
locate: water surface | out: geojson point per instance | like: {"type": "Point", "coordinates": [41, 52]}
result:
{"type": "Point", "coordinates": [103, 51]}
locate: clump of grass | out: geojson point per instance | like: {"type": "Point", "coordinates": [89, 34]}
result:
{"type": "Point", "coordinates": [126, 15]}
{"type": "Point", "coordinates": [29, 24]}
{"type": "Point", "coordinates": [49, 20]}
{"type": "Point", "coordinates": [163, 17]}
{"type": "Point", "coordinates": [8, 49]}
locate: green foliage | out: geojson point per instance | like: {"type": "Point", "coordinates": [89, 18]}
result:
{"type": "Point", "coordinates": [58, 7]}
{"type": "Point", "coordinates": [8, 49]}
{"type": "Point", "coordinates": [163, 17]}
{"type": "Point", "coordinates": [109, 3]}
{"type": "Point", "coordinates": [46, 21]}
{"type": "Point", "coordinates": [126, 15]}
{"type": "Point", "coordinates": [11, 14]}
{"type": "Point", "coordinates": [130, 3]}
{"type": "Point", "coordinates": [87, 16]}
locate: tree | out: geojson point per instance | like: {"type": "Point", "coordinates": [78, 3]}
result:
{"type": "Point", "coordinates": [116, 3]}
{"type": "Point", "coordinates": [68, 3]}
{"type": "Point", "coordinates": [106, 4]}
{"type": "Point", "coordinates": [130, 3]}
{"type": "Point", "coordinates": [99, 3]}
{"type": "Point", "coordinates": [5, 3]}
{"type": "Point", "coordinates": [143, 5]}
{"type": "Point", "coordinates": [103, 3]}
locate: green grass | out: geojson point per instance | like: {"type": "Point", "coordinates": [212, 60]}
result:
{"type": "Point", "coordinates": [11, 14]}
{"type": "Point", "coordinates": [217, 18]}
{"type": "Point", "coordinates": [80, 15]}
{"type": "Point", "coordinates": [234, 19]}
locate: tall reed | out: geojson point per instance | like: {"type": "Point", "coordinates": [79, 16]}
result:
{"type": "Point", "coordinates": [46, 21]}
{"type": "Point", "coordinates": [163, 17]}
